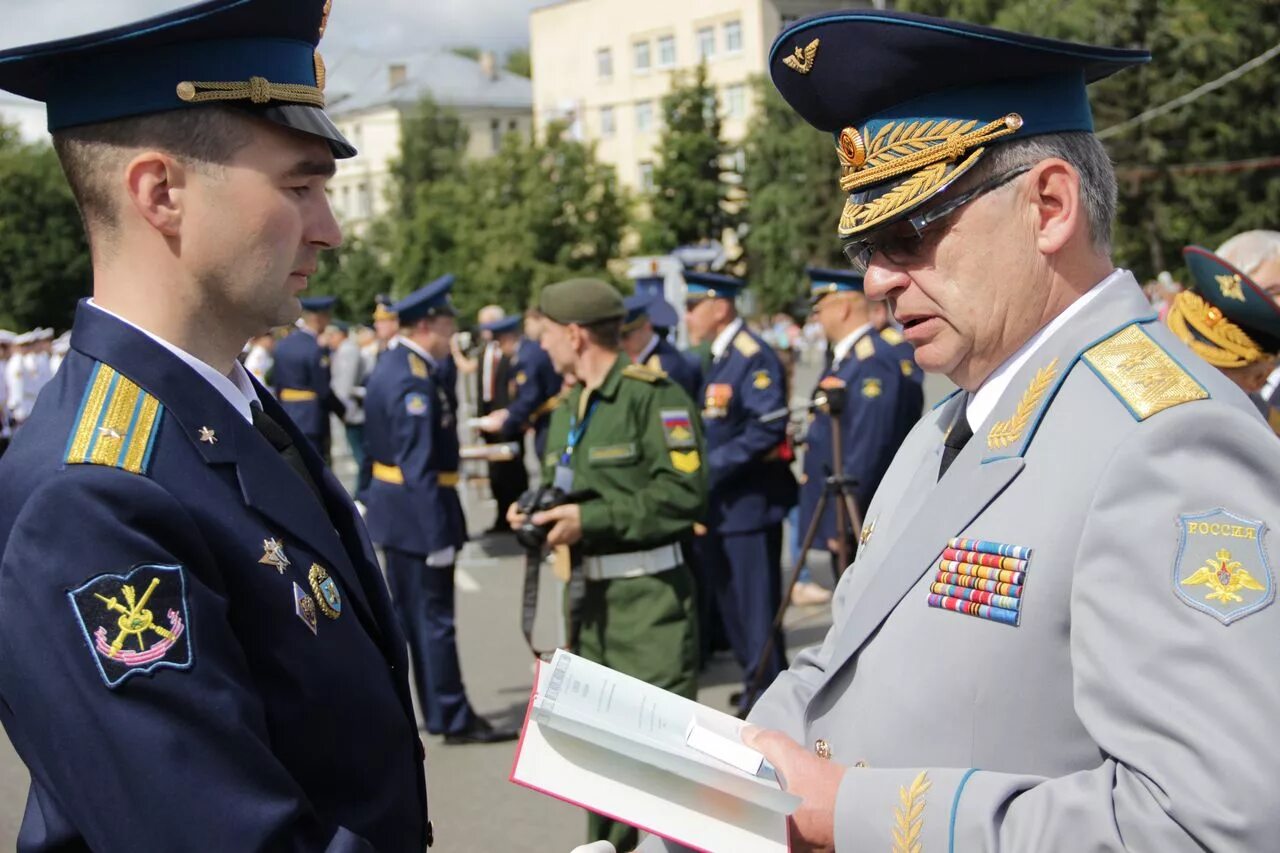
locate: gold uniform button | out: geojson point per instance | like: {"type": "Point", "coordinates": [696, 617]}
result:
{"type": "Point", "coordinates": [822, 749]}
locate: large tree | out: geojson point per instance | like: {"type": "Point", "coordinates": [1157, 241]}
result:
{"type": "Point", "coordinates": [44, 257]}
{"type": "Point", "coordinates": [689, 201]}
{"type": "Point", "coordinates": [794, 200]}
{"type": "Point", "coordinates": [1184, 174]}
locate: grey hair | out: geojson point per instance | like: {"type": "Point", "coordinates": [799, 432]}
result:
{"type": "Point", "coordinates": [1083, 151]}
{"type": "Point", "coordinates": [1249, 250]}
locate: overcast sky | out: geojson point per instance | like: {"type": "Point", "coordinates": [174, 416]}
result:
{"type": "Point", "coordinates": [378, 27]}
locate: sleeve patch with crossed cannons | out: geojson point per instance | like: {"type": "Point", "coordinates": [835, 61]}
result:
{"type": "Point", "coordinates": [135, 623]}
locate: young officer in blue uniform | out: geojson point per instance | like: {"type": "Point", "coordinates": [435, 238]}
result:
{"type": "Point", "coordinates": [413, 510]}
{"type": "Point", "coordinates": [641, 341]}
{"type": "Point", "coordinates": [300, 375]}
{"type": "Point", "coordinates": [533, 390]}
{"type": "Point", "coordinates": [749, 470]}
{"type": "Point", "coordinates": [199, 651]}
{"type": "Point", "coordinates": [872, 422]}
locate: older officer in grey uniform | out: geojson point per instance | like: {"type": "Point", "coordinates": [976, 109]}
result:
{"type": "Point", "coordinates": [1059, 634]}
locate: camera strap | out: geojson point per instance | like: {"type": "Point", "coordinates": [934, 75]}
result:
{"type": "Point", "coordinates": [529, 603]}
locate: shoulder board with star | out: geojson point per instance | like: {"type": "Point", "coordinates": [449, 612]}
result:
{"type": "Point", "coordinates": [1142, 374]}
{"type": "Point", "coordinates": [117, 423]}
{"type": "Point", "coordinates": [644, 374]}
{"type": "Point", "coordinates": [745, 344]}
{"type": "Point", "coordinates": [891, 336]}
{"type": "Point", "coordinates": [864, 348]}
{"type": "Point", "coordinates": [417, 365]}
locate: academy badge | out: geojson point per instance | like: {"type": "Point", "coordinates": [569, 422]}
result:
{"type": "Point", "coordinates": [135, 623]}
{"type": "Point", "coordinates": [762, 380]}
{"type": "Point", "coordinates": [716, 401]}
{"type": "Point", "coordinates": [305, 608]}
{"type": "Point", "coordinates": [1222, 568]}
{"type": "Point", "coordinates": [677, 428]}
{"type": "Point", "coordinates": [871, 388]}
{"type": "Point", "coordinates": [416, 404]}
{"type": "Point", "coordinates": [326, 591]}
{"type": "Point", "coordinates": [273, 555]}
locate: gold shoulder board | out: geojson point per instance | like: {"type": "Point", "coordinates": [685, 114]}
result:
{"type": "Point", "coordinates": [745, 344]}
{"type": "Point", "coordinates": [1138, 371]}
{"type": "Point", "coordinates": [864, 348]}
{"type": "Point", "coordinates": [117, 424]}
{"type": "Point", "coordinates": [636, 371]}
{"type": "Point", "coordinates": [891, 336]}
{"type": "Point", "coordinates": [417, 366]}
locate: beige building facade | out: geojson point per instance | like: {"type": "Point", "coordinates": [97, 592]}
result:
{"type": "Point", "coordinates": [603, 66]}
{"type": "Point", "coordinates": [490, 103]}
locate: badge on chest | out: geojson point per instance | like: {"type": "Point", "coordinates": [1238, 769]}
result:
{"type": "Point", "coordinates": [716, 401]}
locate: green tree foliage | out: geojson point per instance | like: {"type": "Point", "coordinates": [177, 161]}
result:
{"type": "Point", "coordinates": [355, 273]}
{"type": "Point", "coordinates": [1163, 204]}
{"type": "Point", "coordinates": [533, 214]}
{"type": "Point", "coordinates": [688, 202]}
{"type": "Point", "coordinates": [795, 201]}
{"type": "Point", "coordinates": [518, 62]}
{"type": "Point", "coordinates": [433, 141]}
{"type": "Point", "coordinates": [44, 257]}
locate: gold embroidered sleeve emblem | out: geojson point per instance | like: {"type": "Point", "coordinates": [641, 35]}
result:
{"type": "Point", "coordinates": [801, 59]}
{"type": "Point", "coordinates": [908, 817]}
{"type": "Point", "coordinates": [1007, 432]}
{"type": "Point", "coordinates": [1224, 576]}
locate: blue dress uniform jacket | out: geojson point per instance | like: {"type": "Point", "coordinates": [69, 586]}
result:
{"type": "Point", "coordinates": [750, 477]}
{"type": "Point", "coordinates": [672, 362]}
{"type": "Point", "coordinates": [196, 654]}
{"type": "Point", "coordinates": [411, 436]}
{"type": "Point", "coordinates": [536, 384]}
{"type": "Point", "coordinates": [872, 423]}
{"type": "Point", "coordinates": [300, 380]}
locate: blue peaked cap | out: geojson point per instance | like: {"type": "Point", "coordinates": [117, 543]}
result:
{"type": "Point", "coordinates": [914, 102]}
{"type": "Point", "coordinates": [657, 309]}
{"type": "Point", "coordinates": [259, 55]}
{"type": "Point", "coordinates": [318, 303]}
{"type": "Point", "coordinates": [429, 300]}
{"type": "Point", "coordinates": [504, 326]}
{"type": "Point", "coordinates": [824, 281]}
{"type": "Point", "coordinates": [710, 285]}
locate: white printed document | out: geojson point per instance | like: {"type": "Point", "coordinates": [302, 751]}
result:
{"type": "Point", "coordinates": [639, 754]}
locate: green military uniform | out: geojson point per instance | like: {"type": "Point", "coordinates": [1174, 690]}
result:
{"type": "Point", "coordinates": [640, 447]}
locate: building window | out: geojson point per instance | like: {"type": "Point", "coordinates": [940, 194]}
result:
{"type": "Point", "coordinates": [710, 107]}
{"type": "Point", "coordinates": [604, 63]}
{"type": "Point", "coordinates": [706, 42]}
{"type": "Point", "coordinates": [736, 100]}
{"type": "Point", "coordinates": [666, 51]}
{"type": "Point", "coordinates": [607, 126]}
{"type": "Point", "coordinates": [642, 60]}
{"type": "Point", "coordinates": [366, 200]}
{"type": "Point", "coordinates": [495, 134]}
{"type": "Point", "coordinates": [733, 37]}
{"type": "Point", "coordinates": [644, 116]}
{"type": "Point", "coordinates": [646, 177]}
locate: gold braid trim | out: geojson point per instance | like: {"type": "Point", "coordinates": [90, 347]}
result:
{"type": "Point", "coordinates": [1228, 345]}
{"type": "Point", "coordinates": [259, 90]}
{"type": "Point", "coordinates": [917, 188]}
{"type": "Point", "coordinates": [1005, 433]}
{"type": "Point", "coordinates": [908, 817]}
{"type": "Point", "coordinates": [898, 149]}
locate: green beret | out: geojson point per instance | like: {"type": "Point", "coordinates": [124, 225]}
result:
{"type": "Point", "coordinates": [583, 301]}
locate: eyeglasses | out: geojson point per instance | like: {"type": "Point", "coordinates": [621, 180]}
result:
{"type": "Point", "coordinates": [905, 246]}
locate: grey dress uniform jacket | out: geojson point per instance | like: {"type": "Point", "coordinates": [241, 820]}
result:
{"type": "Point", "coordinates": [1117, 690]}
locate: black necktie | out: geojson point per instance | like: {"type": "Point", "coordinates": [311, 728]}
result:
{"type": "Point", "coordinates": [957, 437]}
{"type": "Point", "coordinates": [279, 438]}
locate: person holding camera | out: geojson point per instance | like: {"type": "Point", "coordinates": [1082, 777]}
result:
{"type": "Point", "coordinates": [627, 436]}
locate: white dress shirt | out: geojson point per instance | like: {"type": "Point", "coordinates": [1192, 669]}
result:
{"type": "Point", "coordinates": [722, 341]}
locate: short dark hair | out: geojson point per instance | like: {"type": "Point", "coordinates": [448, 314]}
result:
{"type": "Point", "coordinates": [209, 135]}
{"type": "Point", "coordinates": [606, 333]}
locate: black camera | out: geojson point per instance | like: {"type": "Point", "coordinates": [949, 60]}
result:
{"type": "Point", "coordinates": [530, 535]}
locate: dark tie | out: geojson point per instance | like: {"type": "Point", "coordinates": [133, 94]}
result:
{"type": "Point", "coordinates": [957, 437]}
{"type": "Point", "coordinates": [279, 438]}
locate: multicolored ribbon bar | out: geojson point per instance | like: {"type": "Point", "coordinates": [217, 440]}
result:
{"type": "Point", "coordinates": [986, 546]}
{"type": "Point", "coordinates": [978, 583]}
{"type": "Point", "coordinates": [978, 577]}
{"type": "Point", "coordinates": [972, 608]}
{"type": "Point", "coordinates": [984, 572]}
{"type": "Point", "coordinates": [978, 558]}
{"type": "Point", "coordinates": [1005, 601]}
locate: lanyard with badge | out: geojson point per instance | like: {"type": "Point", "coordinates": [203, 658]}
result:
{"type": "Point", "coordinates": [563, 479]}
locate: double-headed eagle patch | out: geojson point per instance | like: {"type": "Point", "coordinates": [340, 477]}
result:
{"type": "Point", "coordinates": [1222, 567]}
